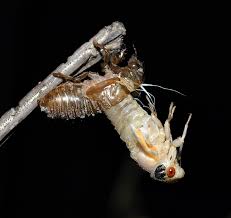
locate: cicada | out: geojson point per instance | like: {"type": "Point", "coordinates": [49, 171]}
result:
{"type": "Point", "coordinates": [150, 142]}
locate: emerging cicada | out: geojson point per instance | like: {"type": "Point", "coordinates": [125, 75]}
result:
{"type": "Point", "coordinates": [150, 143]}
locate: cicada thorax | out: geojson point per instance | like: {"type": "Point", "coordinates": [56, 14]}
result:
{"type": "Point", "coordinates": [71, 100]}
{"type": "Point", "coordinates": [107, 93]}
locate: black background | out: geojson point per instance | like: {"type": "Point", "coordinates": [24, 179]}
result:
{"type": "Point", "coordinates": [81, 168]}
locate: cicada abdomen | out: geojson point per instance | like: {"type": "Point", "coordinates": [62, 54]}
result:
{"type": "Point", "coordinates": [67, 101]}
{"type": "Point", "coordinates": [71, 100]}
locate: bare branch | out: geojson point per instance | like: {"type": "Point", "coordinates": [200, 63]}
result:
{"type": "Point", "coordinates": [83, 58]}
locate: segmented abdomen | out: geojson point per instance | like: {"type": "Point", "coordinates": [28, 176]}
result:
{"type": "Point", "coordinates": [71, 100]}
{"type": "Point", "coordinates": [125, 115]}
{"type": "Point", "coordinates": [67, 101]}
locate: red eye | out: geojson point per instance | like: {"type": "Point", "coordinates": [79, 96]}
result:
{"type": "Point", "coordinates": [171, 172]}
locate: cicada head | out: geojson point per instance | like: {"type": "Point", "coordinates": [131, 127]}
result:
{"type": "Point", "coordinates": [168, 169]}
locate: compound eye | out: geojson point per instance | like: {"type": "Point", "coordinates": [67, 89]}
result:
{"type": "Point", "coordinates": [171, 172]}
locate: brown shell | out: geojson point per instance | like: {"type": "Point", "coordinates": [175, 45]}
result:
{"type": "Point", "coordinates": [69, 101]}
{"type": "Point", "coordinates": [72, 99]}
{"type": "Point", "coordinates": [107, 93]}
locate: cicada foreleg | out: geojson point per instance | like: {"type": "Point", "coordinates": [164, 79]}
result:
{"type": "Point", "coordinates": [167, 122]}
{"type": "Point", "coordinates": [74, 79]}
{"type": "Point", "coordinates": [110, 59]}
{"type": "Point", "coordinates": [178, 142]}
{"type": "Point", "coordinates": [105, 53]}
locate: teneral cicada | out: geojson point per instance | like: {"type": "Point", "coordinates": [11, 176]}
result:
{"type": "Point", "coordinates": [149, 141]}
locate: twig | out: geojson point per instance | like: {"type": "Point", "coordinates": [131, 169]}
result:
{"type": "Point", "coordinates": [83, 58]}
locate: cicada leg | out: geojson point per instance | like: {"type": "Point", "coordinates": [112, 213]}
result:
{"type": "Point", "coordinates": [106, 54]}
{"type": "Point", "coordinates": [73, 79]}
{"type": "Point", "coordinates": [110, 59]}
{"type": "Point", "coordinates": [167, 122]}
{"type": "Point", "coordinates": [178, 142]}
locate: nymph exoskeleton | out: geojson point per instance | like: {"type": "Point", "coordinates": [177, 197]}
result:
{"type": "Point", "coordinates": [150, 143]}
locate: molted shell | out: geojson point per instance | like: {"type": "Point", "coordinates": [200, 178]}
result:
{"type": "Point", "coordinates": [71, 100]}
{"type": "Point", "coordinates": [68, 102]}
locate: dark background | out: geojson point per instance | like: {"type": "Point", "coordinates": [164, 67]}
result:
{"type": "Point", "coordinates": [81, 168]}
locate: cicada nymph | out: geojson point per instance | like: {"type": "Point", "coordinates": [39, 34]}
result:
{"type": "Point", "coordinates": [149, 141]}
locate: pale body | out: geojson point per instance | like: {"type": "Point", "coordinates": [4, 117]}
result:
{"type": "Point", "coordinates": [150, 143]}
{"type": "Point", "coordinates": [127, 117]}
